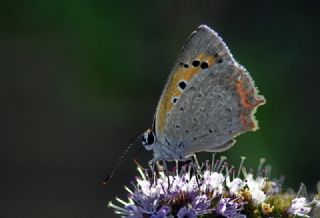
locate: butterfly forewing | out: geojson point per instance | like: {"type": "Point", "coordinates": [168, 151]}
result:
{"type": "Point", "coordinates": [203, 49]}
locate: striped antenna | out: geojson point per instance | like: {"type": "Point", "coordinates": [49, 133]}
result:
{"type": "Point", "coordinates": [116, 166]}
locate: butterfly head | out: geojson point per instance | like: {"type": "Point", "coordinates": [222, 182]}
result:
{"type": "Point", "coordinates": [148, 139]}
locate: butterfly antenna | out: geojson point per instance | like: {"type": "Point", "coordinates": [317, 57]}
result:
{"type": "Point", "coordinates": [116, 166]}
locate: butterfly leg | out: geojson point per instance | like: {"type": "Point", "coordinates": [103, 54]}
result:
{"type": "Point", "coordinates": [161, 167]}
{"type": "Point", "coordinates": [196, 161]}
{"type": "Point", "coordinates": [177, 167]}
{"type": "Point", "coordinates": [151, 166]}
{"type": "Point", "coordinates": [165, 166]}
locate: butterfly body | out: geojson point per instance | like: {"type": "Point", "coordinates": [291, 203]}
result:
{"type": "Point", "coordinates": [207, 101]}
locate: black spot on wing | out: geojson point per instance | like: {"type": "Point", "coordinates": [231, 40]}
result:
{"type": "Point", "coordinates": [182, 84]}
{"type": "Point", "coordinates": [174, 100]}
{"type": "Point", "coordinates": [196, 63]}
{"type": "Point", "coordinates": [204, 65]}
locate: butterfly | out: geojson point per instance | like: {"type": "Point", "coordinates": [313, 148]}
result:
{"type": "Point", "coordinates": [207, 101]}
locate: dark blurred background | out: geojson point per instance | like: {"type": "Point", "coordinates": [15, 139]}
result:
{"type": "Point", "coordinates": [80, 79]}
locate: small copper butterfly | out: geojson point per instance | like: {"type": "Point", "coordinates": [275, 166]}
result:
{"type": "Point", "coordinates": [207, 101]}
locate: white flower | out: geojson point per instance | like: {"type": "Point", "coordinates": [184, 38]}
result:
{"type": "Point", "coordinates": [299, 207]}
{"type": "Point", "coordinates": [234, 186]}
{"type": "Point", "coordinates": [255, 187]}
{"type": "Point", "coordinates": [213, 181]}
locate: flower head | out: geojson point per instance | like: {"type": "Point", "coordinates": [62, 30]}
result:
{"type": "Point", "coordinates": [209, 191]}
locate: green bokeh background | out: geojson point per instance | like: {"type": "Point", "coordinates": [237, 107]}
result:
{"type": "Point", "coordinates": [80, 79]}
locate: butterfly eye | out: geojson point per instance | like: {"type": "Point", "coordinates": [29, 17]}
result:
{"type": "Point", "coordinates": [148, 139]}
